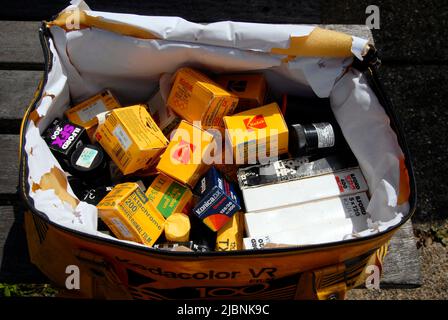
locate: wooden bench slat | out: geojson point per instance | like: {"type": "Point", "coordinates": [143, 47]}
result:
{"type": "Point", "coordinates": [9, 168]}
{"type": "Point", "coordinates": [20, 45]}
{"type": "Point", "coordinates": [16, 92]}
{"type": "Point", "coordinates": [305, 11]}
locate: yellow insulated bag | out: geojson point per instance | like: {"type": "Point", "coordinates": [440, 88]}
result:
{"type": "Point", "coordinates": [88, 51]}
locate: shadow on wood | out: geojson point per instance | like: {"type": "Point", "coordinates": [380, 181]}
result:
{"type": "Point", "coordinates": [15, 265]}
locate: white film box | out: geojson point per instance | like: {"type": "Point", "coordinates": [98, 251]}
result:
{"type": "Point", "coordinates": [314, 222]}
{"type": "Point", "coordinates": [341, 183]}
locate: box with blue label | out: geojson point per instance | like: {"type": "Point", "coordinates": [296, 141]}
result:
{"type": "Point", "coordinates": [218, 200]}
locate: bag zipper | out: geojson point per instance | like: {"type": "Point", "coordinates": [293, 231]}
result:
{"type": "Point", "coordinates": [369, 66]}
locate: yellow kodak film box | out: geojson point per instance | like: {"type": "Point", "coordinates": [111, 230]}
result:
{"type": "Point", "coordinates": [230, 237]}
{"type": "Point", "coordinates": [130, 216]}
{"type": "Point", "coordinates": [183, 159]}
{"type": "Point", "coordinates": [131, 138]}
{"type": "Point", "coordinates": [257, 134]}
{"type": "Point", "coordinates": [195, 97]}
{"type": "Point", "coordinates": [84, 114]}
{"type": "Point", "coordinates": [249, 88]}
{"type": "Point", "coordinates": [168, 196]}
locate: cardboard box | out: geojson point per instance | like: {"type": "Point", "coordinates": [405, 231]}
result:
{"type": "Point", "coordinates": [168, 196]}
{"type": "Point", "coordinates": [63, 137]}
{"type": "Point", "coordinates": [165, 118]}
{"type": "Point", "coordinates": [249, 88]}
{"type": "Point", "coordinates": [230, 236]}
{"type": "Point", "coordinates": [257, 134]}
{"type": "Point", "coordinates": [351, 209]}
{"type": "Point", "coordinates": [294, 192]}
{"type": "Point", "coordinates": [293, 169]}
{"type": "Point", "coordinates": [84, 114]}
{"type": "Point", "coordinates": [218, 200]}
{"type": "Point", "coordinates": [130, 216]}
{"type": "Point", "coordinates": [131, 138]}
{"type": "Point", "coordinates": [183, 159]}
{"type": "Point", "coordinates": [197, 98]}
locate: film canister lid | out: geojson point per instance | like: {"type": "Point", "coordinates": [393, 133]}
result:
{"type": "Point", "coordinates": [306, 138]}
{"type": "Point", "coordinates": [88, 161]}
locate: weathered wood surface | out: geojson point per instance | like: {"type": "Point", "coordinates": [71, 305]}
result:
{"type": "Point", "coordinates": [278, 11]}
{"type": "Point", "coordinates": [9, 168]}
{"type": "Point", "coordinates": [402, 264]}
{"type": "Point", "coordinates": [17, 89]}
{"type": "Point", "coordinates": [22, 52]}
{"type": "Point", "coordinates": [20, 45]}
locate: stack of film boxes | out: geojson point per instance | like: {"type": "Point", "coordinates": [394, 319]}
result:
{"type": "Point", "coordinates": [210, 167]}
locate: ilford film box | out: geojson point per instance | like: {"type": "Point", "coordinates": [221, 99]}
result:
{"type": "Point", "coordinates": [84, 114]}
{"type": "Point", "coordinates": [183, 160]}
{"type": "Point", "coordinates": [218, 200]}
{"type": "Point", "coordinates": [315, 222]}
{"type": "Point", "coordinates": [131, 138]}
{"type": "Point", "coordinates": [309, 213]}
{"type": "Point", "coordinates": [129, 215]}
{"type": "Point", "coordinates": [197, 98]}
{"type": "Point", "coordinates": [257, 134]}
{"type": "Point", "coordinates": [293, 192]}
{"type": "Point", "coordinates": [249, 88]}
{"type": "Point", "coordinates": [168, 196]}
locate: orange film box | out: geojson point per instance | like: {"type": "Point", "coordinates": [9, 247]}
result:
{"type": "Point", "coordinates": [249, 88]}
{"type": "Point", "coordinates": [84, 114]}
{"type": "Point", "coordinates": [131, 138]}
{"type": "Point", "coordinates": [183, 159]}
{"type": "Point", "coordinates": [257, 134]}
{"type": "Point", "coordinates": [130, 216]}
{"type": "Point", "coordinates": [195, 97]}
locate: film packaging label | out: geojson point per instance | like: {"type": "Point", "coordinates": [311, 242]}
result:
{"type": "Point", "coordinates": [131, 138]}
{"type": "Point", "coordinates": [257, 134]}
{"type": "Point", "coordinates": [230, 236]}
{"type": "Point", "coordinates": [249, 88]}
{"type": "Point", "coordinates": [183, 159]}
{"type": "Point", "coordinates": [314, 223]}
{"type": "Point", "coordinates": [195, 97]}
{"type": "Point", "coordinates": [218, 200]}
{"type": "Point", "coordinates": [294, 192]}
{"type": "Point", "coordinates": [168, 196]}
{"type": "Point", "coordinates": [130, 216]}
{"type": "Point", "coordinates": [84, 114]}
{"type": "Point", "coordinates": [292, 169]}
{"type": "Point", "coordinates": [63, 137]}
{"type": "Point", "coordinates": [311, 213]}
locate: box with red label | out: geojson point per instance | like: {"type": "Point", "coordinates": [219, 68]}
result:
{"type": "Point", "coordinates": [270, 196]}
{"type": "Point", "coordinates": [218, 200]}
{"type": "Point", "coordinates": [184, 157]}
{"type": "Point", "coordinates": [257, 134]}
{"type": "Point", "coordinates": [195, 97]}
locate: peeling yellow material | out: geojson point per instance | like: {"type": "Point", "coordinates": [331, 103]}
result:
{"type": "Point", "coordinates": [56, 180]}
{"type": "Point", "coordinates": [78, 19]}
{"type": "Point", "coordinates": [319, 43]}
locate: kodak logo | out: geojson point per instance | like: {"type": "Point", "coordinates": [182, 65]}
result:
{"type": "Point", "coordinates": [183, 152]}
{"type": "Point", "coordinates": [255, 122]}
